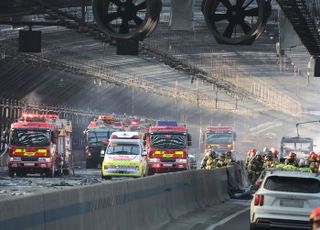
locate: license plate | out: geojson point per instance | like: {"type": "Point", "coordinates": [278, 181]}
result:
{"type": "Point", "coordinates": [28, 164]}
{"type": "Point", "coordinates": [291, 203]}
{"type": "Point", "coordinates": [167, 165]}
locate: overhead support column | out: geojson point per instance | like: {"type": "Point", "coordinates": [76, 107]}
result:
{"type": "Point", "coordinates": [181, 17]}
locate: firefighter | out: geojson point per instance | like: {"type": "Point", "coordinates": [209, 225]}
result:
{"type": "Point", "coordinates": [314, 219]}
{"type": "Point", "coordinates": [255, 167]}
{"type": "Point", "coordinates": [265, 151]}
{"type": "Point", "coordinates": [292, 159]}
{"type": "Point", "coordinates": [211, 161]}
{"type": "Point", "coordinates": [275, 154]}
{"type": "Point", "coordinates": [269, 161]}
{"type": "Point", "coordinates": [250, 156]}
{"type": "Point", "coordinates": [221, 160]}
{"type": "Point", "coordinates": [313, 162]}
{"type": "Point", "coordinates": [204, 160]}
{"type": "Point", "coordinates": [229, 160]}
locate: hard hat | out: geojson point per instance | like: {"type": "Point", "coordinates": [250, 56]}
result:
{"type": "Point", "coordinates": [292, 155]}
{"type": "Point", "coordinates": [259, 153]}
{"type": "Point", "coordinates": [265, 149]}
{"type": "Point", "coordinates": [275, 152]}
{"type": "Point", "coordinates": [269, 154]}
{"type": "Point", "coordinates": [315, 215]}
{"type": "Point", "coordinates": [312, 155]}
{"type": "Point", "coordinates": [213, 154]}
{"type": "Point", "coordinates": [254, 150]}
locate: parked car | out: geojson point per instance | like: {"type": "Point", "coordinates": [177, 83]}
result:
{"type": "Point", "coordinates": [285, 200]}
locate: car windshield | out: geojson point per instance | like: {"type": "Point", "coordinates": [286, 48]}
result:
{"type": "Point", "coordinates": [292, 184]}
{"type": "Point", "coordinates": [24, 137]}
{"type": "Point", "coordinates": [219, 138]}
{"type": "Point", "coordinates": [301, 148]}
{"type": "Point", "coordinates": [98, 137]}
{"type": "Point", "coordinates": [168, 140]}
{"type": "Point", "coordinates": [123, 149]}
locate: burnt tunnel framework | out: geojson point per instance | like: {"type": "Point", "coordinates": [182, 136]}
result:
{"type": "Point", "coordinates": [12, 109]}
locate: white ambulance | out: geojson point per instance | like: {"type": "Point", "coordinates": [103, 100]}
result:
{"type": "Point", "coordinates": [124, 156]}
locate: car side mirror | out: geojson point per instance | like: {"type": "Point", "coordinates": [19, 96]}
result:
{"type": "Point", "coordinates": [54, 137]}
{"type": "Point", "coordinates": [189, 139]}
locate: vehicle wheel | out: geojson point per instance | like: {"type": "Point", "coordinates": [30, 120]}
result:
{"type": "Point", "coordinates": [19, 174]}
{"type": "Point", "coordinates": [106, 177]}
{"type": "Point", "coordinates": [89, 164]}
{"type": "Point", "coordinates": [253, 227]}
{"type": "Point", "coordinates": [127, 19]}
{"type": "Point", "coordinates": [240, 23]}
{"type": "Point", "coordinates": [66, 172]}
{"type": "Point", "coordinates": [51, 172]}
{"type": "Point", "coordinates": [11, 173]}
{"type": "Point", "coordinates": [150, 172]}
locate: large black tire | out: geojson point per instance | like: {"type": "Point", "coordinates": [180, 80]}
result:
{"type": "Point", "coordinates": [150, 172]}
{"type": "Point", "coordinates": [11, 173]}
{"type": "Point", "coordinates": [253, 226]}
{"type": "Point", "coordinates": [91, 164]}
{"type": "Point", "coordinates": [21, 174]}
{"type": "Point", "coordinates": [66, 172]}
{"type": "Point", "coordinates": [106, 177]}
{"type": "Point", "coordinates": [51, 172]}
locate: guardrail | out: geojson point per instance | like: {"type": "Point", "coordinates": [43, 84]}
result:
{"type": "Point", "coordinates": [146, 203]}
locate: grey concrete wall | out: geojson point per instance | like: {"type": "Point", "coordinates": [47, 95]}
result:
{"type": "Point", "coordinates": [145, 203]}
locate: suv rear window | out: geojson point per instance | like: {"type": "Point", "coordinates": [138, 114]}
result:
{"type": "Point", "coordinates": [292, 184]}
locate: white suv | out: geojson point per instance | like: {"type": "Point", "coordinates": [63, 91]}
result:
{"type": "Point", "coordinates": [285, 200]}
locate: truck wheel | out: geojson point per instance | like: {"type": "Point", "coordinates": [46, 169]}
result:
{"type": "Point", "coordinates": [89, 164]}
{"type": "Point", "coordinates": [66, 172]}
{"type": "Point", "coordinates": [11, 173]}
{"type": "Point", "coordinates": [106, 177]}
{"type": "Point", "coordinates": [253, 227]}
{"type": "Point", "coordinates": [21, 174]}
{"type": "Point", "coordinates": [150, 172]}
{"type": "Point", "coordinates": [51, 172]}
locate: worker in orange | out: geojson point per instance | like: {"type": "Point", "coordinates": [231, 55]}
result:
{"type": "Point", "coordinates": [313, 162]}
{"type": "Point", "coordinates": [314, 219]}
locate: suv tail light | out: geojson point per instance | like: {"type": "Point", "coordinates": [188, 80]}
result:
{"type": "Point", "coordinates": [258, 200]}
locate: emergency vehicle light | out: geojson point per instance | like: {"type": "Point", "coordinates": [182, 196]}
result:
{"type": "Point", "coordinates": [113, 136]}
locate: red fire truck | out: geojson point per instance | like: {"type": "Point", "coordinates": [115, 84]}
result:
{"type": "Point", "coordinates": [219, 138]}
{"type": "Point", "coordinates": [96, 137]}
{"type": "Point", "coordinates": [40, 144]}
{"type": "Point", "coordinates": [167, 147]}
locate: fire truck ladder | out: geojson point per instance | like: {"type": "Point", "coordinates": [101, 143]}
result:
{"type": "Point", "coordinates": [300, 16]}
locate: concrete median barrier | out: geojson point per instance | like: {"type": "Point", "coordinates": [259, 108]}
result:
{"type": "Point", "coordinates": [144, 203]}
{"type": "Point", "coordinates": [180, 190]}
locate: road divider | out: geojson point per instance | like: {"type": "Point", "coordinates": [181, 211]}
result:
{"type": "Point", "coordinates": [145, 203]}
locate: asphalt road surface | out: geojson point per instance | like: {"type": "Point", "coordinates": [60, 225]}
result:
{"type": "Point", "coordinates": [233, 214]}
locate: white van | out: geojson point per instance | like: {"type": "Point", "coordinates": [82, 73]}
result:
{"type": "Point", "coordinates": [124, 156]}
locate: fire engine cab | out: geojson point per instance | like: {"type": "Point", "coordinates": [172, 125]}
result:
{"type": "Point", "coordinates": [40, 143]}
{"type": "Point", "coordinates": [167, 147]}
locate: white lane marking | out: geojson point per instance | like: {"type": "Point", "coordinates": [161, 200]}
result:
{"type": "Point", "coordinates": [225, 220]}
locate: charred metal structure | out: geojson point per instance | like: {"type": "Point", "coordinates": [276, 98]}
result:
{"type": "Point", "coordinates": [235, 22]}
